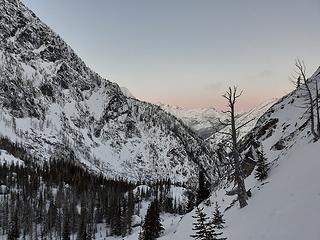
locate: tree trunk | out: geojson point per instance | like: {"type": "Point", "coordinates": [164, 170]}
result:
{"type": "Point", "coordinates": [317, 109]}
{"type": "Point", "coordinates": [238, 173]}
{"type": "Point", "coordinates": [311, 111]}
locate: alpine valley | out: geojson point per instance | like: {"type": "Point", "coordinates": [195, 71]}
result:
{"type": "Point", "coordinates": [82, 158]}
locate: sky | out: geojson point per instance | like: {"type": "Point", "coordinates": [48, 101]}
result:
{"type": "Point", "coordinates": [187, 52]}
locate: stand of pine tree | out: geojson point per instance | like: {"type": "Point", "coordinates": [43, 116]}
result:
{"type": "Point", "coordinates": [60, 199]}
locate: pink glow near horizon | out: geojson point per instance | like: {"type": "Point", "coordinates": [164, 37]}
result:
{"type": "Point", "coordinates": [245, 103]}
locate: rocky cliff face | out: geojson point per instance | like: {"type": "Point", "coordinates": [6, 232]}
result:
{"type": "Point", "coordinates": [53, 103]}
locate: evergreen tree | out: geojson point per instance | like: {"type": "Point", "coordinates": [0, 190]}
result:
{"type": "Point", "coordinates": [168, 205]}
{"type": "Point", "coordinates": [218, 220]}
{"type": "Point", "coordinates": [202, 228]}
{"type": "Point", "coordinates": [205, 229]}
{"type": "Point", "coordinates": [66, 226]}
{"type": "Point", "coordinates": [191, 202]}
{"type": "Point", "coordinates": [116, 226]}
{"type": "Point", "coordinates": [203, 190]}
{"type": "Point", "coordinates": [214, 234]}
{"type": "Point", "coordinates": [262, 167]}
{"type": "Point", "coordinates": [152, 226]}
{"type": "Point", "coordinates": [82, 231]}
{"type": "Point", "coordinates": [130, 211]}
{"type": "Point", "coordinates": [14, 231]}
{"type": "Point", "coordinates": [157, 221]}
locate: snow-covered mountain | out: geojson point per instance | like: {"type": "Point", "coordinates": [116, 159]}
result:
{"type": "Point", "coordinates": [286, 204]}
{"type": "Point", "coordinates": [203, 121]}
{"type": "Point", "coordinates": [52, 103]}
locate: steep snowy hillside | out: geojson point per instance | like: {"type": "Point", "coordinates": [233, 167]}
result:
{"type": "Point", "coordinates": [286, 204]}
{"type": "Point", "coordinates": [53, 103]}
{"type": "Point", "coordinates": [279, 208]}
{"type": "Point", "coordinates": [203, 121]}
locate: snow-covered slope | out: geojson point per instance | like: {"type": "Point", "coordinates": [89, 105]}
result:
{"type": "Point", "coordinates": [53, 103]}
{"type": "Point", "coordinates": [203, 121]}
{"type": "Point", "coordinates": [286, 205]}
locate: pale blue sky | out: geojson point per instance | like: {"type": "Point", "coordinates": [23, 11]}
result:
{"type": "Point", "coordinates": [186, 52]}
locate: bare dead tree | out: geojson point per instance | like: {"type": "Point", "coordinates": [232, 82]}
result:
{"type": "Point", "coordinates": [317, 108]}
{"type": "Point", "coordinates": [232, 96]}
{"type": "Point", "coordinates": [301, 71]}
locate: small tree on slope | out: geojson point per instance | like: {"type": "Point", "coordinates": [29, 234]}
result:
{"type": "Point", "coordinates": [201, 225]}
{"type": "Point", "coordinates": [218, 220]}
{"type": "Point", "coordinates": [262, 167]}
{"type": "Point", "coordinates": [204, 229]}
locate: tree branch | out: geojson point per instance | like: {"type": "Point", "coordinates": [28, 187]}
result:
{"type": "Point", "coordinates": [244, 124]}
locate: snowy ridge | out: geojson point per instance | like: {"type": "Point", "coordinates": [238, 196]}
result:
{"type": "Point", "coordinates": [53, 103]}
{"type": "Point", "coordinates": [203, 121]}
{"type": "Point", "coordinates": [206, 122]}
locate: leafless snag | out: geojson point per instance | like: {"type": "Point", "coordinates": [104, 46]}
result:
{"type": "Point", "coordinates": [232, 96]}
{"type": "Point", "coordinates": [317, 109]}
{"type": "Point", "coordinates": [301, 71]}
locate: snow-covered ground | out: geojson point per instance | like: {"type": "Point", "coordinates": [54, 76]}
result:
{"type": "Point", "coordinates": [285, 206]}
